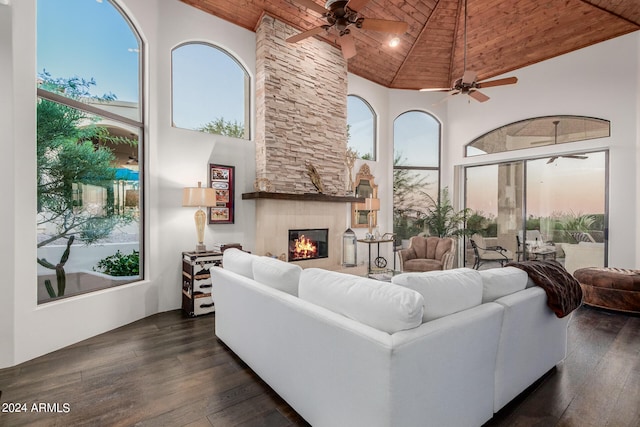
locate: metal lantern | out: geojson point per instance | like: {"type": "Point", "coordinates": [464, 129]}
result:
{"type": "Point", "coordinates": [349, 246]}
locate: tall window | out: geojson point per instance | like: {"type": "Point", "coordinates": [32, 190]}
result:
{"type": "Point", "coordinates": [210, 91]}
{"type": "Point", "coordinates": [416, 166]}
{"type": "Point", "coordinates": [361, 128]}
{"type": "Point", "coordinates": [89, 143]}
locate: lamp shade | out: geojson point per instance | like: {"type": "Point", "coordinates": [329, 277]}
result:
{"type": "Point", "coordinates": [198, 196]}
{"type": "Point", "coordinates": [371, 204]}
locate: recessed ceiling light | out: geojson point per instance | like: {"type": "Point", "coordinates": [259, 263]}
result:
{"type": "Point", "coordinates": [394, 42]}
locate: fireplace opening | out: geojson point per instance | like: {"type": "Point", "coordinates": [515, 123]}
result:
{"type": "Point", "coordinates": [308, 244]}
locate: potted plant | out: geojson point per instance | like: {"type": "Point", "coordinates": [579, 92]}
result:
{"type": "Point", "coordinates": [442, 220]}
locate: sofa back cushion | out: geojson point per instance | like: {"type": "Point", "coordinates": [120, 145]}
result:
{"type": "Point", "coordinates": [443, 246]}
{"type": "Point", "coordinates": [445, 292]}
{"type": "Point", "coordinates": [499, 282]}
{"type": "Point", "coordinates": [381, 305]}
{"type": "Point", "coordinates": [238, 261]}
{"type": "Point", "coordinates": [277, 274]}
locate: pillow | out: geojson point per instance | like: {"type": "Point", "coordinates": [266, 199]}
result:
{"type": "Point", "coordinates": [445, 292]}
{"type": "Point", "coordinates": [498, 282]}
{"type": "Point", "coordinates": [238, 261]}
{"type": "Point", "coordinates": [381, 305]}
{"type": "Point", "coordinates": [277, 274]}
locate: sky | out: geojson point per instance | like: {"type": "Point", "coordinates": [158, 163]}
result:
{"type": "Point", "coordinates": [416, 137]}
{"type": "Point", "coordinates": [565, 186]}
{"type": "Point", "coordinates": [206, 77]}
{"type": "Point", "coordinates": [91, 39]}
{"type": "Point", "coordinates": [360, 118]}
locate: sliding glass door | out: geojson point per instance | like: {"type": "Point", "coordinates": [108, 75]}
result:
{"type": "Point", "coordinates": [548, 208]}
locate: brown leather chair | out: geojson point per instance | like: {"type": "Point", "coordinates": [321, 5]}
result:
{"type": "Point", "coordinates": [428, 254]}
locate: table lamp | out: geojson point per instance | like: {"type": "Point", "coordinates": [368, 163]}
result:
{"type": "Point", "coordinates": [199, 197]}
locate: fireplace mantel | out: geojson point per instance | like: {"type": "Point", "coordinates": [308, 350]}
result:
{"type": "Point", "coordinates": [310, 197]}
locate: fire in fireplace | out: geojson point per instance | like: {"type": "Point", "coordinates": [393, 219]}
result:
{"type": "Point", "coordinates": [308, 244]}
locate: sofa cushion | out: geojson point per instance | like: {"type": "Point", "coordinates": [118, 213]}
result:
{"type": "Point", "coordinates": [238, 261]}
{"type": "Point", "coordinates": [422, 264]}
{"type": "Point", "coordinates": [277, 274]}
{"type": "Point", "coordinates": [444, 245]}
{"type": "Point", "coordinates": [445, 292]}
{"type": "Point", "coordinates": [381, 305]}
{"type": "Point", "coordinates": [499, 282]}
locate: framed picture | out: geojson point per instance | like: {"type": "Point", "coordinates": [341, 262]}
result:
{"type": "Point", "coordinates": [221, 179]}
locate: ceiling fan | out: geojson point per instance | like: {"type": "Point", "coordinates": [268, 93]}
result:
{"type": "Point", "coordinates": [468, 83]}
{"type": "Point", "coordinates": [555, 141]}
{"type": "Point", "coordinates": [343, 15]}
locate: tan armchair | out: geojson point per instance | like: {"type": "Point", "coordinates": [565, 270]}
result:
{"type": "Point", "coordinates": [428, 254]}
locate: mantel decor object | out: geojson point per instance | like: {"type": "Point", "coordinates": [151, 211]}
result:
{"type": "Point", "coordinates": [349, 160]}
{"type": "Point", "coordinates": [314, 176]}
{"type": "Point", "coordinates": [349, 248]}
{"type": "Point", "coordinates": [199, 197]}
{"type": "Point", "coordinates": [371, 205]}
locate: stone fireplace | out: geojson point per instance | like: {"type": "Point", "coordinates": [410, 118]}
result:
{"type": "Point", "coordinates": [301, 119]}
{"type": "Point", "coordinates": [275, 217]}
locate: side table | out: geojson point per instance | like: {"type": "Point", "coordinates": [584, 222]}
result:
{"type": "Point", "coordinates": [379, 264]}
{"type": "Point", "coordinates": [196, 281]}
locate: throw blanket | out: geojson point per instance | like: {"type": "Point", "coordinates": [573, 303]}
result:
{"type": "Point", "coordinates": [564, 293]}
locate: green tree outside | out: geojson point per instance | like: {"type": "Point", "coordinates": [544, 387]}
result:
{"type": "Point", "coordinates": [220, 126]}
{"type": "Point", "coordinates": [71, 152]}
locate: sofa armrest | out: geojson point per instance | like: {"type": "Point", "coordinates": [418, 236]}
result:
{"type": "Point", "coordinates": [406, 255]}
{"type": "Point", "coordinates": [447, 260]}
{"type": "Point", "coordinates": [532, 341]}
{"type": "Point", "coordinates": [443, 371]}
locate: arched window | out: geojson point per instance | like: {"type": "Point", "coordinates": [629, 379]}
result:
{"type": "Point", "coordinates": [538, 132]}
{"type": "Point", "coordinates": [416, 169]}
{"type": "Point", "coordinates": [89, 140]}
{"type": "Point", "coordinates": [210, 91]}
{"type": "Point", "coordinates": [361, 127]}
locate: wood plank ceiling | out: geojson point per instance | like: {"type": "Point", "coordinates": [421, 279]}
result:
{"type": "Point", "coordinates": [502, 35]}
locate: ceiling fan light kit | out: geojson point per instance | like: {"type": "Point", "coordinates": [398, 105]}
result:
{"type": "Point", "coordinates": [343, 16]}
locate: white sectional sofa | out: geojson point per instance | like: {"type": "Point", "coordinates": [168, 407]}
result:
{"type": "Point", "coordinates": [443, 348]}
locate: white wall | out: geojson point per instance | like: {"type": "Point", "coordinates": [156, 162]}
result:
{"type": "Point", "coordinates": [378, 97]}
{"type": "Point", "coordinates": [7, 210]}
{"type": "Point", "coordinates": [176, 158]}
{"type": "Point", "coordinates": [600, 81]}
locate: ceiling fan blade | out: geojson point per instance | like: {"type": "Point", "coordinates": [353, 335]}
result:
{"type": "Point", "coordinates": [348, 46]}
{"type": "Point", "coordinates": [497, 82]}
{"type": "Point", "coordinates": [542, 141]}
{"type": "Point", "coordinates": [356, 5]}
{"type": "Point", "coordinates": [395, 27]}
{"type": "Point", "coordinates": [478, 96]}
{"type": "Point", "coordinates": [469, 77]}
{"type": "Point", "coordinates": [303, 35]}
{"type": "Point", "coordinates": [575, 156]}
{"type": "Point", "coordinates": [452, 93]}
{"type": "Point", "coordinates": [435, 89]}
{"type": "Point", "coordinates": [310, 4]}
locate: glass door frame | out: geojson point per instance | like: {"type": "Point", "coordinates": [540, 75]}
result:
{"type": "Point", "coordinates": [524, 162]}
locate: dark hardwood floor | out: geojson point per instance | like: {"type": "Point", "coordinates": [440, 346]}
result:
{"type": "Point", "coordinates": [170, 370]}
